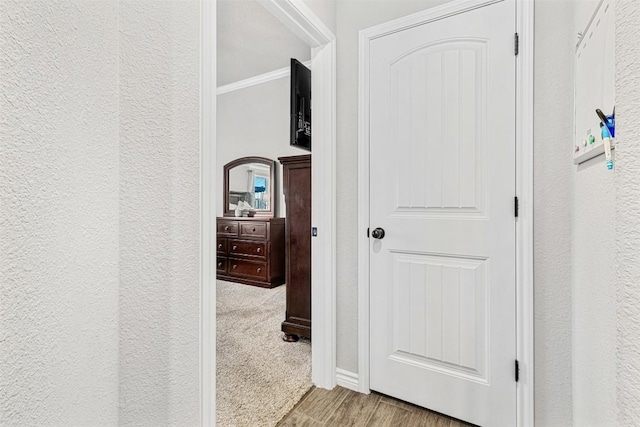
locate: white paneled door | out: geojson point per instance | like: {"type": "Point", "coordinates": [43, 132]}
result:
{"type": "Point", "coordinates": [442, 187]}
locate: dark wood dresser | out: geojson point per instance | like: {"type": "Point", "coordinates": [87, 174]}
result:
{"type": "Point", "coordinates": [251, 251]}
{"type": "Point", "coordinates": [296, 174]}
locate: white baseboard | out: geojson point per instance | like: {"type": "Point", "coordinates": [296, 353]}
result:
{"type": "Point", "coordinates": [347, 379]}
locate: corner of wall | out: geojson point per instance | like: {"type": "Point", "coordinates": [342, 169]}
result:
{"type": "Point", "coordinates": [553, 212]}
{"type": "Point", "coordinates": [627, 185]}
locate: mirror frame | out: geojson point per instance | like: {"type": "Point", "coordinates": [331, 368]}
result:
{"type": "Point", "coordinates": [272, 193]}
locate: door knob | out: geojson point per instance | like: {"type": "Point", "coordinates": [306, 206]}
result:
{"type": "Point", "coordinates": [378, 233]}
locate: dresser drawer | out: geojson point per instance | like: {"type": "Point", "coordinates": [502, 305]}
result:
{"type": "Point", "coordinates": [251, 250]}
{"type": "Point", "coordinates": [221, 265]}
{"type": "Point", "coordinates": [251, 269]}
{"type": "Point", "coordinates": [221, 246]}
{"type": "Point", "coordinates": [253, 230]}
{"type": "Point", "coordinates": [247, 248]}
{"type": "Point", "coordinates": [227, 228]}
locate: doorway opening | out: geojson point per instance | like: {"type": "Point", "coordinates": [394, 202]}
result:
{"type": "Point", "coordinates": [247, 250]}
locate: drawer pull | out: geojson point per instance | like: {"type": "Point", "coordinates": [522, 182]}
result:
{"type": "Point", "coordinates": [226, 228]}
{"type": "Point", "coordinates": [259, 270]}
{"type": "Point", "coordinates": [235, 266]}
{"type": "Point", "coordinates": [219, 245]}
{"type": "Point", "coordinates": [234, 248]}
{"type": "Point", "coordinates": [219, 264]}
{"type": "Point", "coordinates": [254, 229]}
{"type": "Point", "coordinates": [259, 250]}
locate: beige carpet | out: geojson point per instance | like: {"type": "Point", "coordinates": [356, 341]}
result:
{"type": "Point", "coordinates": [259, 377]}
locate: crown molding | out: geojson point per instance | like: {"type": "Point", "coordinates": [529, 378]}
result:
{"type": "Point", "coordinates": [259, 79]}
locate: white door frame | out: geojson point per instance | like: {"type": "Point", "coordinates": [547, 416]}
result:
{"type": "Point", "coordinates": [306, 25]}
{"type": "Point", "coordinates": [524, 189]}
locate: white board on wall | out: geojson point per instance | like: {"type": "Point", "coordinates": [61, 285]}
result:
{"type": "Point", "coordinates": [595, 71]}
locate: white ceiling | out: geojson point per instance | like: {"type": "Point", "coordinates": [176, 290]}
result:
{"type": "Point", "coordinates": [251, 41]}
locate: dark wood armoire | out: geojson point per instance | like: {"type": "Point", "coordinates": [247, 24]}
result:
{"type": "Point", "coordinates": [296, 173]}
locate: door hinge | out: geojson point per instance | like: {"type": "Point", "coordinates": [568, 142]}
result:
{"type": "Point", "coordinates": [517, 371]}
{"type": "Point", "coordinates": [516, 206]}
{"type": "Point", "coordinates": [368, 232]}
{"type": "Point", "coordinates": [516, 44]}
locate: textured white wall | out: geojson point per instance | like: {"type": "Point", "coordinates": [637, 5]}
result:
{"type": "Point", "coordinates": [627, 184]}
{"type": "Point", "coordinates": [553, 210]}
{"type": "Point", "coordinates": [58, 213]}
{"type": "Point", "coordinates": [254, 122]}
{"type": "Point", "coordinates": [594, 297]}
{"type": "Point", "coordinates": [325, 10]}
{"type": "Point", "coordinates": [99, 212]}
{"type": "Point", "coordinates": [159, 92]}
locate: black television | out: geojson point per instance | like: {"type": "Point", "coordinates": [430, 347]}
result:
{"type": "Point", "coordinates": [300, 105]}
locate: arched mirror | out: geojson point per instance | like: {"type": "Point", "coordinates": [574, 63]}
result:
{"type": "Point", "coordinates": [249, 187]}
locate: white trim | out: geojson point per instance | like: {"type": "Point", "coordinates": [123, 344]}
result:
{"type": "Point", "coordinates": [207, 212]}
{"type": "Point", "coordinates": [363, 213]}
{"type": "Point", "coordinates": [323, 216]}
{"type": "Point", "coordinates": [297, 17]}
{"type": "Point", "coordinates": [524, 186]}
{"type": "Point", "coordinates": [256, 80]}
{"type": "Point", "coordinates": [524, 224]}
{"type": "Point", "coordinates": [347, 379]}
{"type": "Point", "coordinates": [424, 17]}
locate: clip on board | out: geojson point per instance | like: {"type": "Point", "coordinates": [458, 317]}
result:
{"type": "Point", "coordinates": [595, 85]}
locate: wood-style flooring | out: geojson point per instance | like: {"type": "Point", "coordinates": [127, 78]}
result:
{"type": "Point", "coordinates": [343, 407]}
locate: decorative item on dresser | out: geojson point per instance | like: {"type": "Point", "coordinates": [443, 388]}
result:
{"type": "Point", "coordinates": [251, 251]}
{"type": "Point", "coordinates": [296, 174]}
